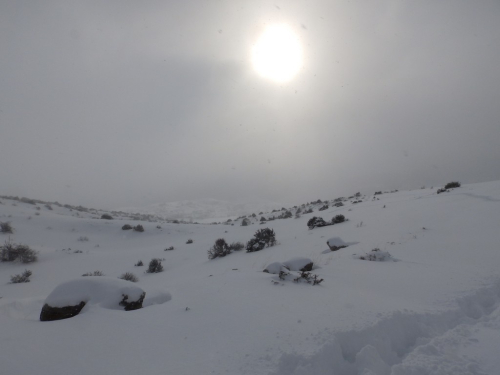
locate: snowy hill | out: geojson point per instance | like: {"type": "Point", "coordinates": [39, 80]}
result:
{"type": "Point", "coordinates": [202, 210]}
{"type": "Point", "coordinates": [433, 307]}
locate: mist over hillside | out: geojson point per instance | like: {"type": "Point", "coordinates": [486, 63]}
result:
{"type": "Point", "coordinates": [203, 209]}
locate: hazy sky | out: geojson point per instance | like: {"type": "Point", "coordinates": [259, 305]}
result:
{"type": "Point", "coordinates": [119, 103]}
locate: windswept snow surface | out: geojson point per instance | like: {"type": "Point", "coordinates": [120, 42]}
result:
{"type": "Point", "coordinates": [435, 311]}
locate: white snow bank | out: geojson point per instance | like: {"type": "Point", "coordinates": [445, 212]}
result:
{"type": "Point", "coordinates": [106, 292]}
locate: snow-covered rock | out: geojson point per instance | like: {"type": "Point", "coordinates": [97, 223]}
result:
{"type": "Point", "coordinates": [299, 264]}
{"type": "Point", "coordinates": [69, 298]}
{"type": "Point", "coordinates": [294, 264]}
{"type": "Point", "coordinates": [336, 243]}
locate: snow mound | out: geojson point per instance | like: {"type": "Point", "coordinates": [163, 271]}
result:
{"type": "Point", "coordinates": [294, 264]}
{"type": "Point", "coordinates": [336, 241]}
{"type": "Point", "coordinates": [298, 264]}
{"type": "Point", "coordinates": [156, 297]}
{"type": "Point", "coordinates": [103, 291]}
{"type": "Point", "coordinates": [275, 268]}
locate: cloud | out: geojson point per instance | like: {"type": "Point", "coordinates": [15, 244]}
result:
{"type": "Point", "coordinates": [133, 104]}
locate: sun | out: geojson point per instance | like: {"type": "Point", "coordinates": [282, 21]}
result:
{"type": "Point", "coordinates": [277, 54]}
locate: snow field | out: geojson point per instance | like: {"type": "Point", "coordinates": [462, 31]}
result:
{"type": "Point", "coordinates": [226, 316]}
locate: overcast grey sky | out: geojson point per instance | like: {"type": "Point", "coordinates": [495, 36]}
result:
{"type": "Point", "coordinates": [119, 103]}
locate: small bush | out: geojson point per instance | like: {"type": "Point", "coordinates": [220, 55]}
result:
{"type": "Point", "coordinates": [95, 273]}
{"type": "Point", "coordinates": [338, 219]}
{"type": "Point", "coordinates": [5, 227]}
{"type": "Point", "coordinates": [325, 207]}
{"type": "Point", "coordinates": [245, 222]}
{"type": "Point", "coordinates": [10, 252]}
{"type": "Point", "coordinates": [129, 276]}
{"type": "Point", "coordinates": [316, 222]}
{"type": "Point", "coordinates": [107, 217]}
{"type": "Point", "coordinates": [262, 238]}
{"type": "Point", "coordinates": [376, 255]}
{"type": "Point", "coordinates": [139, 228]}
{"type": "Point", "coordinates": [236, 246]}
{"type": "Point", "coordinates": [127, 227]}
{"type": "Point", "coordinates": [219, 249]}
{"type": "Point", "coordinates": [189, 241]}
{"type": "Point", "coordinates": [169, 248]}
{"type": "Point", "coordinates": [139, 264]}
{"type": "Point", "coordinates": [21, 278]}
{"type": "Point", "coordinates": [83, 238]}
{"type": "Point", "coordinates": [451, 185]}
{"type": "Point", "coordinates": [155, 266]}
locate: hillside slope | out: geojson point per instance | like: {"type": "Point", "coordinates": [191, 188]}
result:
{"type": "Point", "coordinates": [432, 309]}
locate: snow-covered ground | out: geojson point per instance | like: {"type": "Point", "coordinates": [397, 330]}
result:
{"type": "Point", "coordinates": [436, 310]}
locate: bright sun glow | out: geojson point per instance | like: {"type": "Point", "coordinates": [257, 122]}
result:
{"type": "Point", "coordinates": [277, 55]}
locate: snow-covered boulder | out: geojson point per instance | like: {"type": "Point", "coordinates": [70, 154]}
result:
{"type": "Point", "coordinates": [336, 243]}
{"type": "Point", "coordinates": [299, 264]}
{"type": "Point", "coordinates": [275, 268]}
{"type": "Point", "coordinates": [69, 298]}
{"type": "Point", "coordinates": [294, 264]}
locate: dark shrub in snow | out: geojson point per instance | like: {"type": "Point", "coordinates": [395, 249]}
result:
{"type": "Point", "coordinates": [95, 273]}
{"type": "Point", "coordinates": [129, 276]}
{"type": "Point", "coordinates": [21, 278]}
{"type": "Point", "coordinates": [139, 264]}
{"type": "Point", "coordinates": [10, 252]}
{"type": "Point", "coordinates": [285, 215]}
{"type": "Point", "coordinates": [325, 207]}
{"type": "Point", "coordinates": [451, 185]}
{"type": "Point", "coordinates": [262, 238]}
{"type": "Point", "coordinates": [237, 246]}
{"type": "Point", "coordinates": [338, 219]}
{"type": "Point", "coordinates": [189, 241]}
{"type": "Point", "coordinates": [6, 227]}
{"type": "Point", "coordinates": [376, 255]}
{"type": "Point", "coordinates": [316, 222]}
{"type": "Point", "coordinates": [107, 217]}
{"type": "Point", "coordinates": [139, 228]}
{"type": "Point", "coordinates": [245, 222]}
{"type": "Point", "coordinates": [127, 227]}
{"type": "Point", "coordinates": [155, 266]}
{"type": "Point", "coordinates": [219, 249]}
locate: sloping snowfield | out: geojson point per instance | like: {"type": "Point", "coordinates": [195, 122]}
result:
{"type": "Point", "coordinates": [433, 308]}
